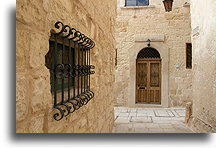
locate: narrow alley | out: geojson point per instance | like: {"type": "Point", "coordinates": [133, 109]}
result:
{"type": "Point", "coordinates": [151, 120]}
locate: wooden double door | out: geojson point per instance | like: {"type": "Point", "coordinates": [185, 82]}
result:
{"type": "Point", "coordinates": [148, 81]}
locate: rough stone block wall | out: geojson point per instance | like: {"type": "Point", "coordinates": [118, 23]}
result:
{"type": "Point", "coordinates": [204, 42]}
{"type": "Point", "coordinates": [153, 20]}
{"type": "Point", "coordinates": [34, 20]}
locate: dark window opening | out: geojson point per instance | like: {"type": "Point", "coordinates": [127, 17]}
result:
{"type": "Point", "coordinates": [188, 55]}
{"type": "Point", "coordinates": [116, 57]}
{"type": "Point", "coordinates": [68, 56]}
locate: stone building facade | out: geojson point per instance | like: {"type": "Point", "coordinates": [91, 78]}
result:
{"type": "Point", "coordinates": [34, 103]}
{"type": "Point", "coordinates": [169, 33]}
{"type": "Point", "coordinates": [203, 38]}
{"type": "Point", "coordinates": [120, 33]}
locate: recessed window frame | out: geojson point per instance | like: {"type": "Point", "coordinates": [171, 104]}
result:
{"type": "Point", "coordinates": [126, 3]}
{"type": "Point", "coordinates": [68, 61]}
{"type": "Point", "coordinates": [189, 56]}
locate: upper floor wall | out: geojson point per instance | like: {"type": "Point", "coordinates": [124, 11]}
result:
{"type": "Point", "coordinates": [134, 26]}
{"type": "Point", "coordinates": [150, 3]}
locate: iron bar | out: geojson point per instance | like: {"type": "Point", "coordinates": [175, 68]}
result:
{"type": "Point", "coordinates": [74, 71]}
{"type": "Point", "coordinates": [89, 70]}
{"type": "Point", "coordinates": [69, 71]}
{"type": "Point", "coordinates": [62, 83]}
{"type": "Point", "coordinates": [54, 72]}
{"type": "Point", "coordinates": [85, 64]}
{"type": "Point", "coordinates": [78, 78]}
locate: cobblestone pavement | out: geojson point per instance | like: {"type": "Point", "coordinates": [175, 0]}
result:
{"type": "Point", "coordinates": [150, 120]}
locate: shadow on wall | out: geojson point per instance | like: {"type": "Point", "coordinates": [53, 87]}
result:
{"type": "Point", "coordinates": [69, 137]}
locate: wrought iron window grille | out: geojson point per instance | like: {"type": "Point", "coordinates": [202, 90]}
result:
{"type": "Point", "coordinates": [188, 55]}
{"type": "Point", "coordinates": [69, 63]}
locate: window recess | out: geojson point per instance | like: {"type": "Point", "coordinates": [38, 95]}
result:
{"type": "Point", "coordinates": [68, 61]}
{"type": "Point", "coordinates": [188, 55]}
{"type": "Point", "coordinates": [136, 2]}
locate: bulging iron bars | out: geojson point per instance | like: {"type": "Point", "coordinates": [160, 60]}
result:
{"type": "Point", "coordinates": [70, 70]}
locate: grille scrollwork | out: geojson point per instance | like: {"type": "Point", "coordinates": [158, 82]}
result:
{"type": "Point", "coordinates": [70, 69]}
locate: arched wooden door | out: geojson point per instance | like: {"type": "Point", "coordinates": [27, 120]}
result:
{"type": "Point", "coordinates": [148, 77]}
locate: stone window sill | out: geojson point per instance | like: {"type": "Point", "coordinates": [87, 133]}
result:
{"type": "Point", "coordinates": [138, 7]}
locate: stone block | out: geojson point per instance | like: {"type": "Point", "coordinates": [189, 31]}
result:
{"type": "Point", "coordinates": [173, 92]}
{"type": "Point", "coordinates": [141, 119]}
{"type": "Point", "coordinates": [152, 37]}
{"type": "Point", "coordinates": [38, 48]}
{"type": "Point", "coordinates": [38, 102]}
{"type": "Point", "coordinates": [31, 13]}
{"type": "Point", "coordinates": [22, 106]}
{"type": "Point", "coordinates": [123, 128]}
{"type": "Point", "coordinates": [188, 111]}
{"type": "Point", "coordinates": [22, 48]}
{"type": "Point", "coordinates": [123, 114]}
{"type": "Point", "coordinates": [133, 114]}
{"type": "Point", "coordinates": [36, 124]}
{"type": "Point", "coordinates": [122, 120]}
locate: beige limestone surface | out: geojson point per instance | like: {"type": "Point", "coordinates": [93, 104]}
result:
{"type": "Point", "coordinates": [169, 33]}
{"type": "Point", "coordinates": [203, 22]}
{"type": "Point", "coordinates": [34, 20]}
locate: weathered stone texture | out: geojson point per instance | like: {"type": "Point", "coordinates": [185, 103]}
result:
{"type": "Point", "coordinates": [203, 17]}
{"type": "Point", "coordinates": [188, 112]}
{"type": "Point", "coordinates": [133, 26]}
{"type": "Point", "coordinates": [35, 19]}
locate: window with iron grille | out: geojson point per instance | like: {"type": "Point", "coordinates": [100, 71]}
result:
{"type": "Point", "coordinates": [68, 61]}
{"type": "Point", "coordinates": [188, 55]}
{"type": "Point", "coordinates": [136, 2]}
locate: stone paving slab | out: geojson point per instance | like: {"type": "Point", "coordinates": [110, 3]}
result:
{"type": "Point", "coordinates": [123, 114]}
{"type": "Point", "coordinates": [181, 113]}
{"type": "Point", "coordinates": [132, 114]}
{"type": "Point", "coordinates": [141, 119]}
{"type": "Point", "coordinates": [152, 120]}
{"type": "Point", "coordinates": [120, 120]}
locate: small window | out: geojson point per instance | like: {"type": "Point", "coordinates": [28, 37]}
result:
{"type": "Point", "coordinates": [68, 61]}
{"type": "Point", "coordinates": [189, 56]}
{"type": "Point", "coordinates": [136, 2]}
{"type": "Point", "coordinates": [116, 57]}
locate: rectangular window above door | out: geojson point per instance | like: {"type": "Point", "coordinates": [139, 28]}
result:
{"type": "Point", "coordinates": [136, 2]}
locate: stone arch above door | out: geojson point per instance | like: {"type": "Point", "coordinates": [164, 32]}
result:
{"type": "Point", "coordinates": [148, 52]}
{"type": "Point", "coordinates": [164, 55]}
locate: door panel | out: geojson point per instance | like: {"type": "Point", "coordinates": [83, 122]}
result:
{"type": "Point", "coordinates": [148, 81]}
{"type": "Point", "coordinates": [142, 82]}
{"type": "Point", "coordinates": [142, 75]}
{"type": "Point", "coordinates": [154, 75]}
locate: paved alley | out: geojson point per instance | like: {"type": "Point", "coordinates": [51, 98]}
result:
{"type": "Point", "coordinates": [150, 120]}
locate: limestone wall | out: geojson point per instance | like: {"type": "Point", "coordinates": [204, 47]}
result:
{"type": "Point", "coordinates": [204, 42]}
{"type": "Point", "coordinates": [34, 20]}
{"type": "Point", "coordinates": [153, 22]}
